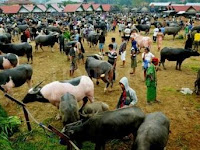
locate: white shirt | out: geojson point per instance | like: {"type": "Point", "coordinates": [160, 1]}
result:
{"type": "Point", "coordinates": [148, 56]}
{"type": "Point", "coordinates": [155, 31]}
{"type": "Point", "coordinates": [127, 32]}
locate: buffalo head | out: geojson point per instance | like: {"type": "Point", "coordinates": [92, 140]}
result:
{"type": "Point", "coordinates": [194, 53]}
{"type": "Point", "coordinates": [34, 95]}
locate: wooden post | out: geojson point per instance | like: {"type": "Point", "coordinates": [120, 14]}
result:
{"type": "Point", "coordinates": [27, 119]}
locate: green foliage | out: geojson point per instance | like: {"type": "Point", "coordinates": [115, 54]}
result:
{"type": "Point", "coordinates": [68, 2]}
{"type": "Point", "coordinates": [2, 112]}
{"type": "Point", "coordinates": [7, 127]}
{"type": "Point", "coordinates": [9, 124]}
{"type": "Point", "coordinates": [4, 142]}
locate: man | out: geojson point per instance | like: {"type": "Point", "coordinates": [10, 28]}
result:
{"type": "Point", "coordinates": [127, 33]}
{"type": "Point", "coordinates": [196, 40]}
{"type": "Point", "coordinates": [128, 96]}
{"type": "Point", "coordinates": [122, 51]}
{"type": "Point", "coordinates": [61, 42]}
{"type": "Point", "coordinates": [101, 42]}
{"type": "Point", "coordinates": [72, 54]}
{"type": "Point", "coordinates": [114, 43]}
{"type": "Point", "coordinates": [155, 32]}
{"type": "Point", "coordinates": [67, 35]}
{"type": "Point", "coordinates": [112, 58]}
{"type": "Point", "coordinates": [151, 83]}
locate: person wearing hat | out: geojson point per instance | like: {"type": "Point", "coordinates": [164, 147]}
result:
{"type": "Point", "coordinates": [128, 96]}
{"type": "Point", "coordinates": [151, 83]}
{"type": "Point", "coordinates": [146, 57]}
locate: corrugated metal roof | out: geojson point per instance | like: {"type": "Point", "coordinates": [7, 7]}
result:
{"type": "Point", "coordinates": [72, 7]}
{"type": "Point", "coordinates": [106, 7]}
{"type": "Point", "coordinates": [11, 9]}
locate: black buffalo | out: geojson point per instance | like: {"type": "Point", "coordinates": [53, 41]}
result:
{"type": "Point", "coordinates": [153, 133]}
{"type": "Point", "coordinates": [5, 38]}
{"type": "Point", "coordinates": [106, 126]}
{"type": "Point", "coordinates": [46, 40]}
{"type": "Point", "coordinates": [176, 54]}
{"type": "Point", "coordinates": [20, 49]}
{"type": "Point", "coordinates": [68, 46]}
{"type": "Point", "coordinates": [172, 31]}
{"type": "Point", "coordinates": [143, 27]}
{"type": "Point", "coordinates": [99, 69]}
{"type": "Point", "coordinates": [16, 77]}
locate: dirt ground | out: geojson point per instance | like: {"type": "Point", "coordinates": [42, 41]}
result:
{"type": "Point", "coordinates": [182, 110]}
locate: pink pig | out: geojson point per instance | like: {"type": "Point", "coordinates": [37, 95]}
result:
{"type": "Point", "coordinates": [142, 41]}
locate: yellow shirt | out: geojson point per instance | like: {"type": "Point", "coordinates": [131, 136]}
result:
{"type": "Point", "coordinates": [197, 37]}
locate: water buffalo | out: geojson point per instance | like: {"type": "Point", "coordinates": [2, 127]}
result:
{"type": "Point", "coordinates": [23, 27]}
{"type": "Point", "coordinates": [195, 28]}
{"type": "Point", "coordinates": [172, 31]}
{"type": "Point", "coordinates": [153, 133]}
{"type": "Point", "coordinates": [53, 29]}
{"type": "Point", "coordinates": [176, 54]}
{"type": "Point", "coordinates": [69, 109]}
{"type": "Point", "coordinates": [5, 38]}
{"type": "Point", "coordinates": [106, 126]}
{"type": "Point", "coordinates": [99, 69]}
{"type": "Point", "coordinates": [16, 77]}
{"type": "Point", "coordinates": [8, 61]}
{"type": "Point", "coordinates": [93, 108]}
{"type": "Point", "coordinates": [20, 49]}
{"type": "Point", "coordinates": [46, 40]}
{"type": "Point", "coordinates": [81, 87]}
{"type": "Point", "coordinates": [68, 45]}
{"type": "Point", "coordinates": [197, 83]}
{"type": "Point", "coordinates": [93, 39]}
{"type": "Point", "coordinates": [143, 27]}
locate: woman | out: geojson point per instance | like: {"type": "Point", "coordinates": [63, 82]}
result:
{"type": "Point", "coordinates": [128, 96]}
{"type": "Point", "coordinates": [151, 83]}
{"type": "Point", "coordinates": [147, 56]}
{"type": "Point", "coordinates": [160, 37]}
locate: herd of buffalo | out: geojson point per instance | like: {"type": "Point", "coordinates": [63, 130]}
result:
{"type": "Point", "coordinates": [94, 121]}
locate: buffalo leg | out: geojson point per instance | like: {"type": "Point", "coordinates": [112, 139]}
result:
{"type": "Point", "coordinates": [36, 47]}
{"type": "Point", "coordinates": [29, 82]}
{"type": "Point", "coordinates": [177, 65]}
{"type": "Point", "coordinates": [180, 63]}
{"type": "Point", "coordinates": [85, 100]}
{"type": "Point", "coordinates": [41, 48]}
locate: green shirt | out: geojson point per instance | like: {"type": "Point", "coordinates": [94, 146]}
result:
{"type": "Point", "coordinates": [186, 29]}
{"type": "Point", "coordinates": [67, 35]}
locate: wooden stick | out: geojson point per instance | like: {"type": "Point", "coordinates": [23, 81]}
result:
{"type": "Point", "coordinates": [63, 136]}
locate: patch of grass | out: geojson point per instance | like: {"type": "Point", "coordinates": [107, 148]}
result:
{"type": "Point", "coordinates": [197, 127]}
{"type": "Point", "coordinates": [35, 140]}
{"type": "Point", "coordinates": [193, 67]}
{"type": "Point", "coordinates": [168, 89]}
{"type": "Point", "coordinates": [180, 141]}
